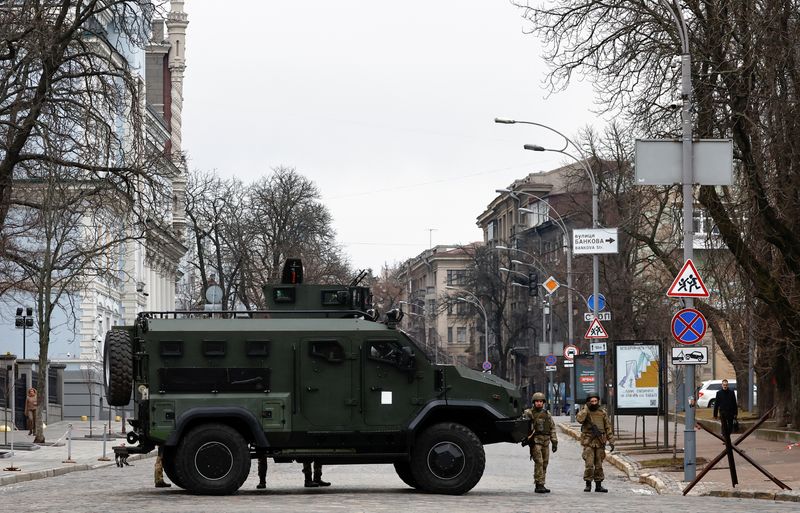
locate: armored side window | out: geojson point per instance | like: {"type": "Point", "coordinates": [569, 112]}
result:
{"type": "Point", "coordinates": [387, 350]}
{"type": "Point", "coordinates": [257, 347]}
{"type": "Point", "coordinates": [171, 348]}
{"type": "Point", "coordinates": [213, 348]}
{"type": "Point", "coordinates": [330, 350]}
{"type": "Point", "coordinates": [283, 294]}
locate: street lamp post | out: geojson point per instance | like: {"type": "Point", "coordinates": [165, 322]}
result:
{"type": "Point", "coordinates": [424, 328]}
{"type": "Point", "coordinates": [595, 212]}
{"type": "Point", "coordinates": [570, 312]}
{"type": "Point", "coordinates": [24, 320]}
{"type": "Point", "coordinates": [474, 300]}
{"type": "Point", "coordinates": [689, 445]}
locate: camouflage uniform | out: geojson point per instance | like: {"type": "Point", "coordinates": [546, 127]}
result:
{"type": "Point", "coordinates": [594, 447]}
{"type": "Point", "coordinates": [543, 431]}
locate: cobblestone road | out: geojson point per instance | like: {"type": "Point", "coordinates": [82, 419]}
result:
{"type": "Point", "coordinates": [506, 487]}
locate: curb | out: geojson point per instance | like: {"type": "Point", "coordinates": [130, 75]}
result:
{"type": "Point", "coordinates": [21, 477]}
{"type": "Point", "coordinates": [625, 464]}
{"type": "Point", "coordinates": [743, 494]}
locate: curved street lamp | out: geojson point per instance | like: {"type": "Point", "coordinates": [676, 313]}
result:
{"type": "Point", "coordinates": [475, 300]}
{"type": "Point", "coordinates": [595, 209]}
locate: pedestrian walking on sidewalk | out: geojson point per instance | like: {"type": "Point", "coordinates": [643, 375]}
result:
{"type": "Point", "coordinates": [596, 432]}
{"type": "Point", "coordinates": [541, 434]}
{"type": "Point", "coordinates": [31, 405]}
{"type": "Point", "coordinates": [726, 408]}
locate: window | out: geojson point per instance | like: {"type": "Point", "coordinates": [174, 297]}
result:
{"type": "Point", "coordinates": [389, 350]}
{"type": "Point", "coordinates": [330, 350]}
{"type": "Point", "coordinates": [461, 335]}
{"type": "Point", "coordinates": [456, 276]}
{"type": "Point", "coordinates": [540, 215]}
{"type": "Point", "coordinates": [449, 334]}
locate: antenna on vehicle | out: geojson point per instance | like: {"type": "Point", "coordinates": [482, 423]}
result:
{"type": "Point", "coordinates": [358, 279]}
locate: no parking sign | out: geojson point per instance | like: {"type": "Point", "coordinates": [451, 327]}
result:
{"type": "Point", "coordinates": [688, 326]}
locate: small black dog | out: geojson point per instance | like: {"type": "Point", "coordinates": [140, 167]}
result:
{"type": "Point", "coordinates": [121, 457]}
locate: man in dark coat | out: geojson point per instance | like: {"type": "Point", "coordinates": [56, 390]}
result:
{"type": "Point", "coordinates": [725, 407]}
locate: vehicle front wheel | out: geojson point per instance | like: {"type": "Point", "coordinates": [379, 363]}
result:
{"type": "Point", "coordinates": [212, 459]}
{"type": "Point", "coordinates": [403, 470]}
{"type": "Point", "coordinates": [168, 462]}
{"type": "Point", "coordinates": [448, 458]}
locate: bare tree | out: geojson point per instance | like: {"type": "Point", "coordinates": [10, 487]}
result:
{"type": "Point", "coordinates": [63, 77]}
{"type": "Point", "coordinates": [62, 234]}
{"type": "Point", "coordinates": [746, 81]}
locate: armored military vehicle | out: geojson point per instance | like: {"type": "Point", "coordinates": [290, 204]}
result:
{"type": "Point", "coordinates": [318, 377]}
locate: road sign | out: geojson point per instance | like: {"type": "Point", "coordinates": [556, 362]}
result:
{"type": "Point", "coordinates": [601, 304]}
{"type": "Point", "coordinates": [603, 316]}
{"type": "Point", "coordinates": [598, 347]}
{"type": "Point", "coordinates": [696, 355]}
{"type": "Point", "coordinates": [596, 330]}
{"type": "Point", "coordinates": [569, 363]}
{"type": "Point", "coordinates": [660, 161]}
{"type": "Point", "coordinates": [550, 368]}
{"type": "Point", "coordinates": [688, 326]}
{"type": "Point", "coordinates": [487, 365]}
{"type": "Point", "coordinates": [594, 241]}
{"type": "Point", "coordinates": [551, 285]}
{"type": "Point", "coordinates": [550, 359]}
{"type": "Point", "coordinates": [688, 283]}
{"type": "Point", "coordinates": [570, 351]}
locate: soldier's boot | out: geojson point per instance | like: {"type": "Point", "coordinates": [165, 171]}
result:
{"type": "Point", "coordinates": [310, 483]}
{"type": "Point", "coordinates": [588, 486]}
{"type": "Point", "coordinates": [318, 480]}
{"type": "Point", "coordinates": [598, 487]}
{"type": "Point", "coordinates": [162, 484]}
{"type": "Point", "coordinates": [541, 489]}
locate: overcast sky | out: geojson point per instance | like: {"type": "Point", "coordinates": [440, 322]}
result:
{"type": "Point", "coordinates": [387, 106]}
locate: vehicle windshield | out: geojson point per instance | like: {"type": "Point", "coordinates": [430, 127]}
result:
{"type": "Point", "coordinates": [427, 351]}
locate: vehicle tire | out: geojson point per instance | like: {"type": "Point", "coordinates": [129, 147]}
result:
{"type": "Point", "coordinates": [711, 403]}
{"type": "Point", "coordinates": [118, 367]}
{"type": "Point", "coordinates": [168, 462]}
{"type": "Point", "coordinates": [212, 459]}
{"type": "Point", "coordinates": [448, 458]}
{"type": "Point", "coordinates": [403, 470]}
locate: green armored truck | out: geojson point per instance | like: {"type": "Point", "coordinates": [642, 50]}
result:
{"type": "Point", "coordinates": [318, 377]}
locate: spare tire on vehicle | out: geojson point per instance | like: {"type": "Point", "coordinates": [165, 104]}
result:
{"type": "Point", "coordinates": [118, 367]}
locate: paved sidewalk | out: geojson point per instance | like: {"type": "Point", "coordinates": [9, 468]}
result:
{"type": "Point", "coordinates": [779, 458]}
{"type": "Point", "coordinates": [51, 459]}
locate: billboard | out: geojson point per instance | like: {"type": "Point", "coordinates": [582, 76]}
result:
{"type": "Point", "coordinates": [638, 378]}
{"type": "Point", "coordinates": [585, 378]}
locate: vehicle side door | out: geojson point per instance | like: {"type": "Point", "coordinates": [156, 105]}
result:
{"type": "Point", "coordinates": [391, 387]}
{"type": "Point", "coordinates": [326, 382]}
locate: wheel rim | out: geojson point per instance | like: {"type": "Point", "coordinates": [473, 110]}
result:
{"type": "Point", "coordinates": [446, 460]}
{"type": "Point", "coordinates": [213, 461]}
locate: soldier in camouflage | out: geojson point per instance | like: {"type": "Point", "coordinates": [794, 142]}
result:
{"type": "Point", "coordinates": [541, 434]}
{"type": "Point", "coordinates": [595, 433]}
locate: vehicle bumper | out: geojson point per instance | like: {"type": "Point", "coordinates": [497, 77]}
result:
{"type": "Point", "coordinates": [512, 430]}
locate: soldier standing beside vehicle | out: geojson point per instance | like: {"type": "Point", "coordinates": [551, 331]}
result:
{"type": "Point", "coordinates": [541, 434]}
{"type": "Point", "coordinates": [315, 480]}
{"type": "Point", "coordinates": [595, 433]}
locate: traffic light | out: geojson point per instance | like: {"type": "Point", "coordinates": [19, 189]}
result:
{"type": "Point", "coordinates": [533, 284]}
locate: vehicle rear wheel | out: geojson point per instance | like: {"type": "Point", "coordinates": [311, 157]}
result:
{"type": "Point", "coordinates": [118, 367]}
{"type": "Point", "coordinates": [403, 470]}
{"type": "Point", "coordinates": [448, 458]}
{"type": "Point", "coordinates": [168, 462]}
{"type": "Point", "coordinates": [711, 403]}
{"type": "Point", "coordinates": [212, 459]}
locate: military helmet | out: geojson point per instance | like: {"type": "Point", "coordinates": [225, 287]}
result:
{"type": "Point", "coordinates": [592, 395]}
{"type": "Point", "coordinates": [538, 396]}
